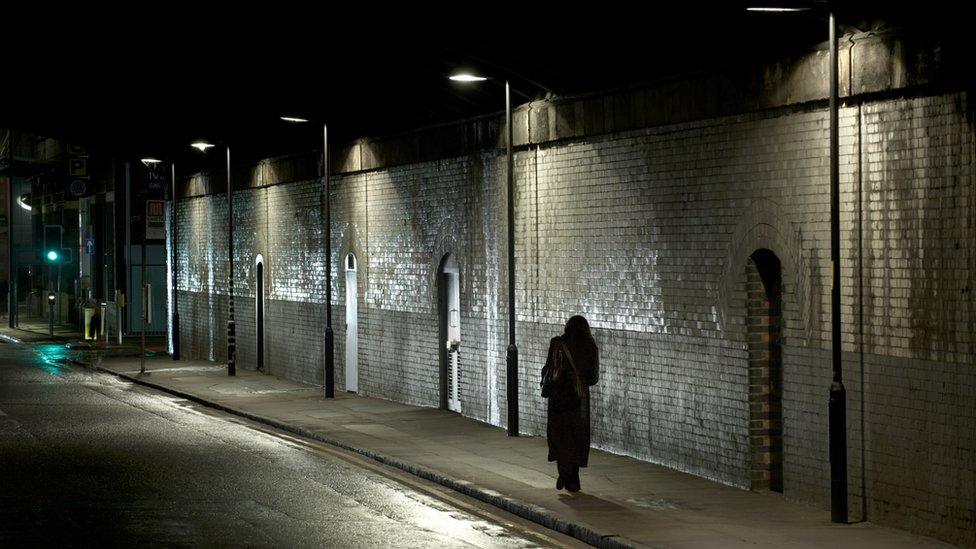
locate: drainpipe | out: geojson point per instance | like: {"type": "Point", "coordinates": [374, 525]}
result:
{"type": "Point", "coordinates": [512, 355]}
{"type": "Point", "coordinates": [329, 334]}
{"type": "Point", "coordinates": [837, 407]}
{"type": "Point", "coordinates": [231, 326]}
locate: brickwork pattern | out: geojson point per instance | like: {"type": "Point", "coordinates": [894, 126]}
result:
{"type": "Point", "coordinates": [647, 233]}
{"type": "Point", "coordinates": [765, 371]}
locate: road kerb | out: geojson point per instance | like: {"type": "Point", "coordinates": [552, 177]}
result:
{"type": "Point", "coordinates": [528, 511]}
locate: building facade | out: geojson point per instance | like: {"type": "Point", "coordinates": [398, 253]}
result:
{"type": "Point", "coordinates": [689, 222]}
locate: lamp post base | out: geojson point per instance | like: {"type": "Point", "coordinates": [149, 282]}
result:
{"type": "Point", "coordinates": [231, 348]}
{"type": "Point", "coordinates": [329, 363]}
{"type": "Point", "coordinates": [511, 362]}
{"type": "Point", "coordinates": [837, 414]}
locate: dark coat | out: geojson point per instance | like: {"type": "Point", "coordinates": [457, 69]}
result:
{"type": "Point", "coordinates": [568, 420]}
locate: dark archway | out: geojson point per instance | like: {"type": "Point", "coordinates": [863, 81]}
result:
{"type": "Point", "coordinates": [764, 306]}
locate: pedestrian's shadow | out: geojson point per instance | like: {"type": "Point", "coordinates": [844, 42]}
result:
{"type": "Point", "coordinates": [581, 501]}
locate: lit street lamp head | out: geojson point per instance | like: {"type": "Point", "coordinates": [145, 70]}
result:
{"type": "Point", "coordinates": [149, 161]}
{"type": "Point", "coordinates": [24, 201]}
{"type": "Point", "coordinates": [467, 77]}
{"type": "Point", "coordinates": [201, 146]}
{"type": "Point", "coordinates": [775, 9]}
{"type": "Point", "coordinates": [294, 119]}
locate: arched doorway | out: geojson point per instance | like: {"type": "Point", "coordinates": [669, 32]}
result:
{"type": "Point", "coordinates": [352, 326]}
{"type": "Point", "coordinates": [259, 310]}
{"type": "Point", "coordinates": [449, 307]}
{"type": "Point", "coordinates": [764, 331]}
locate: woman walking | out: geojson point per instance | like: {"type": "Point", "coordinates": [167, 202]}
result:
{"type": "Point", "coordinates": [572, 366]}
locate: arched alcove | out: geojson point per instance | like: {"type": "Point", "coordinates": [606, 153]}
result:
{"type": "Point", "coordinates": [764, 325]}
{"type": "Point", "coordinates": [259, 310]}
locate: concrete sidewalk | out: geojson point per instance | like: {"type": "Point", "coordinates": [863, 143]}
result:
{"type": "Point", "coordinates": [39, 332]}
{"type": "Point", "coordinates": [623, 502]}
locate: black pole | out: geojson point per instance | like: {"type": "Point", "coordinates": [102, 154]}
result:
{"type": "Point", "coordinates": [11, 265]}
{"type": "Point", "coordinates": [329, 336]}
{"type": "Point", "coordinates": [512, 355]}
{"type": "Point", "coordinates": [231, 328]}
{"type": "Point", "coordinates": [837, 407]}
{"type": "Point", "coordinates": [144, 297]}
{"type": "Point", "coordinates": [175, 323]}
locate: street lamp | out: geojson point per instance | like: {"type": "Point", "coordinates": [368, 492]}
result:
{"type": "Point", "coordinates": [329, 334]}
{"type": "Point", "coordinates": [511, 359]}
{"type": "Point", "coordinates": [837, 404]}
{"type": "Point", "coordinates": [149, 162]}
{"type": "Point", "coordinates": [12, 268]}
{"type": "Point", "coordinates": [175, 322]}
{"type": "Point", "coordinates": [202, 146]}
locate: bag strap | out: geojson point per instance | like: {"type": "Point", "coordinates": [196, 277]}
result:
{"type": "Point", "coordinates": [569, 355]}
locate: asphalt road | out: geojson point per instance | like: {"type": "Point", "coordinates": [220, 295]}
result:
{"type": "Point", "coordinates": [87, 459]}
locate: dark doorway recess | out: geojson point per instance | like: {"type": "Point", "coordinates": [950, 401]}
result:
{"type": "Point", "coordinates": [764, 328]}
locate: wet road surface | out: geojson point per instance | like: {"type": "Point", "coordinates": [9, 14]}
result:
{"type": "Point", "coordinates": [86, 459]}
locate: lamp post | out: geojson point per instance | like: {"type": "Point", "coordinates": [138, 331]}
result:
{"type": "Point", "coordinates": [144, 297]}
{"type": "Point", "coordinates": [175, 318]}
{"type": "Point", "coordinates": [175, 322]}
{"type": "Point", "coordinates": [511, 358]}
{"type": "Point", "coordinates": [329, 366]}
{"type": "Point", "coordinates": [11, 268]}
{"type": "Point", "coordinates": [202, 146]}
{"type": "Point", "coordinates": [837, 408]}
{"type": "Point", "coordinates": [837, 402]}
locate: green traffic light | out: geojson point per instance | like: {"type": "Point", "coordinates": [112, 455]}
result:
{"type": "Point", "coordinates": [52, 255]}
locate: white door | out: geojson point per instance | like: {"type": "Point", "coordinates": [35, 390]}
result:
{"type": "Point", "coordinates": [453, 342]}
{"type": "Point", "coordinates": [352, 329]}
{"type": "Point", "coordinates": [259, 310]}
{"type": "Point", "coordinates": [454, 381]}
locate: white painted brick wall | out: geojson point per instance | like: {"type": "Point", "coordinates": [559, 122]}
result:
{"type": "Point", "coordinates": [645, 233]}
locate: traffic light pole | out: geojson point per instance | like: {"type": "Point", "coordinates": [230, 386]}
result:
{"type": "Point", "coordinates": [54, 288]}
{"type": "Point", "coordinates": [50, 313]}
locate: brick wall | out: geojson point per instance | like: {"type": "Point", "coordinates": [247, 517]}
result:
{"type": "Point", "coordinates": [763, 327]}
{"type": "Point", "coordinates": [648, 233]}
